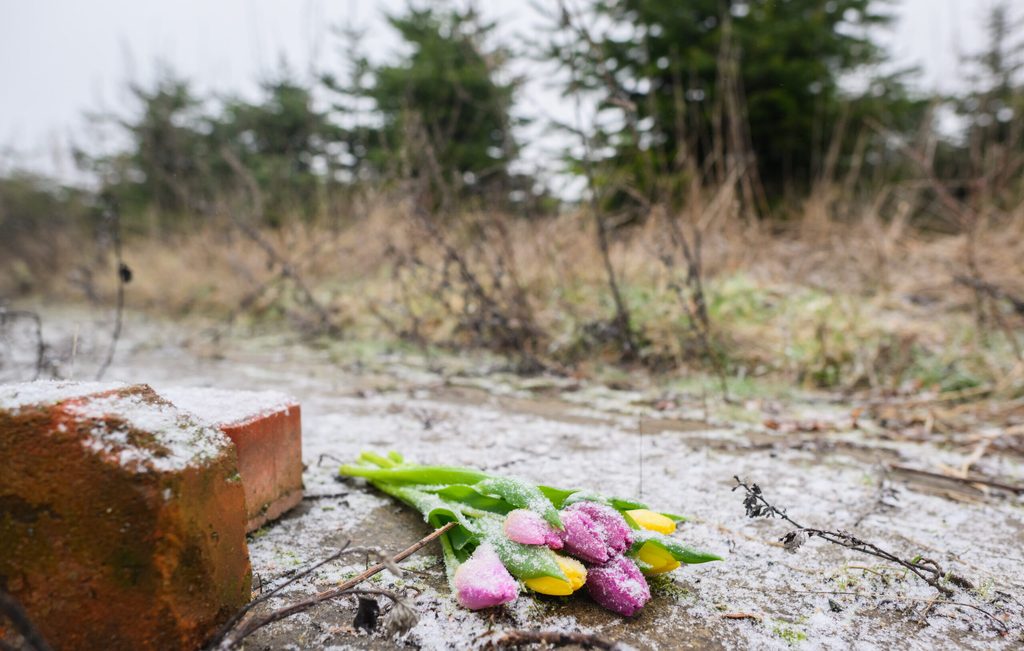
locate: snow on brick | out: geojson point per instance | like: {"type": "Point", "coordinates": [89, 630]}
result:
{"type": "Point", "coordinates": [175, 440]}
{"type": "Point", "coordinates": [48, 392]}
{"type": "Point", "coordinates": [266, 427]}
{"type": "Point", "coordinates": [225, 406]}
{"type": "Point", "coordinates": [122, 519]}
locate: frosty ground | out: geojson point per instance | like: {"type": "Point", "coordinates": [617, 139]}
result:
{"type": "Point", "coordinates": [676, 450]}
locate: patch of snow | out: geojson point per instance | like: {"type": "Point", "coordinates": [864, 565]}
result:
{"type": "Point", "coordinates": [687, 472]}
{"type": "Point", "coordinates": [14, 397]}
{"type": "Point", "coordinates": [176, 442]}
{"type": "Point", "coordinates": [222, 407]}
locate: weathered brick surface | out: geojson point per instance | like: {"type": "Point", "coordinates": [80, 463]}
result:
{"type": "Point", "coordinates": [266, 428]}
{"type": "Point", "coordinates": [121, 519]}
{"type": "Point", "coordinates": [270, 462]}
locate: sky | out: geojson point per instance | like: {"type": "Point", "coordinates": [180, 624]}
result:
{"type": "Point", "coordinates": [60, 59]}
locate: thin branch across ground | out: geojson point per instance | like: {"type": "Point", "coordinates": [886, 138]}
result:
{"type": "Point", "coordinates": [926, 569]}
{"type": "Point", "coordinates": [243, 624]}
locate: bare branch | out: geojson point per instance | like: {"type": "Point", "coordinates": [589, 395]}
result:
{"type": "Point", "coordinates": [926, 569]}
{"type": "Point", "coordinates": [124, 276]}
{"type": "Point", "coordinates": [20, 621]}
{"type": "Point", "coordinates": [992, 290]}
{"type": "Point", "coordinates": [241, 627]}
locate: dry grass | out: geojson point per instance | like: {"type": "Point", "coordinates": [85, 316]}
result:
{"type": "Point", "coordinates": [866, 301]}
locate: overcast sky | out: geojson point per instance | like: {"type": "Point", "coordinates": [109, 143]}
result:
{"type": "Point", "coordinates": [61, 58]}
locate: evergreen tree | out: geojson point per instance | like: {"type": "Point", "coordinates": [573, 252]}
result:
{"type": "Point", "coordinates": [993, 148]}
{"type": "Point", "coordinates": [285, 142]}
{"type": "Point", "coordinates": [166, 163]}
{"type": "Point", "coordinates": [441, 112]}
{"type": "Point", "coordinates": [714, 81]}
{"type": "Point", "coordinates": [175, 161]}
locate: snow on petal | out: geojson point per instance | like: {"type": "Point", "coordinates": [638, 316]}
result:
{"type": "Point", "coordinates": [595, 532]}
{"type": "Point", "coordinates": [526, 527]}
{"type": "Point", "coordinates": [619, 586]}
{"type": "Point", "coordinates": [482, 581]}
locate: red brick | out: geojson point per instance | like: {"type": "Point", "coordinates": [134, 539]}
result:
{"type": "Point", "coordinates": [267, 430]}
{"type": "Point", "coordinates": [121, 518]}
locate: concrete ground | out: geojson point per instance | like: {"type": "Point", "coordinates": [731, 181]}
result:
{"type": "Point", "coordinates": [828, 462]}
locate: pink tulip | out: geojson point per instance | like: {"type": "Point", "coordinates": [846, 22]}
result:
{"type": "Point", "coordinates": [526, 527]}
{"type": "Point", "coordinates": [619, 586]}
{"type": "Point", "coordinates": [595, 532]}
{"type": "Point", "coordinates": [482, 581]}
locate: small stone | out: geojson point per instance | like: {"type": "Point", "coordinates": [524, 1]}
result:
{"type": "Point", "coordinates": [367, 615]}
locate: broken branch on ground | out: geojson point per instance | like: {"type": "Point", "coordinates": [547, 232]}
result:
{"type": "Point", "coordinates": [926, 569]}
{"type": "Point", "coordinates": [242, 625]}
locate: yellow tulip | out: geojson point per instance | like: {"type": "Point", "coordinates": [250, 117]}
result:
{"type": "Point", "coordinates": [658, 560]}
{"type": "Point", "coordinates": [574, 572]}
{"type": "Point", "coordinates": [653, 521]}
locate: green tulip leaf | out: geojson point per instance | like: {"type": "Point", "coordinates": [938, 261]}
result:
{"type": "Point", "coordinates": [522, 561]}
{"type": "Point", "coordinates": [470, 496]}
{"type": "Point", "coordinates": [558, 496]}
{"type": "Point", "coordinates": [586, 496]}
{"type": "Point", "coordinates": [678, 551]}
{"type": "Point", "coordinates": [414, 474]}
{"type": "Point", "coordinates": [626, 505]}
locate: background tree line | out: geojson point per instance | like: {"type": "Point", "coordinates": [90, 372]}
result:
{"type": "Point", "coordinates": [710, 139]}
{"type": "Point", "coordinates": [778, 94]}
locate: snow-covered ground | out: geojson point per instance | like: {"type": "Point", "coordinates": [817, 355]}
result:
{"type": "Point", "coordinates": [679, 457]}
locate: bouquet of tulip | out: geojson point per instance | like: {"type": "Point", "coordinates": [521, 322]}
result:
{"type": "Point", "coordinates": [551, 540]}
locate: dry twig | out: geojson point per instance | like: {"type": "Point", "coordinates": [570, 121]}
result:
{"type": "Point", "coordinates": [241, 625]}
{"type": "Point", "coordinates": [32, 639]}
{"type": "Point", "coordinates": [926, 569]}
{"type": "Point", "coordinates": [124, 276]}
{"type": "Point", "coordinates": [755, 616]}
{"type": "Point", "coordinates": [623, 320]}
{"type": "Point", "coordinates": [992, 290]}
{"type": "Point", "coordinates": [1019, 490]}
{"type": "Point", "coordinates": [285, 268]}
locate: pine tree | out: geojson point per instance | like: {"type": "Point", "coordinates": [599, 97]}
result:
{"type": "Point", "coordinates": [716, 85]}
{"type": "Point", "coordinates": [994, 112]}
{"type": "Point", "coordinates": [441, 113]}
{"type": "Point", "coordinates": [284, 142]}
{"type": "Point", "coordinates": [165, 164]}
